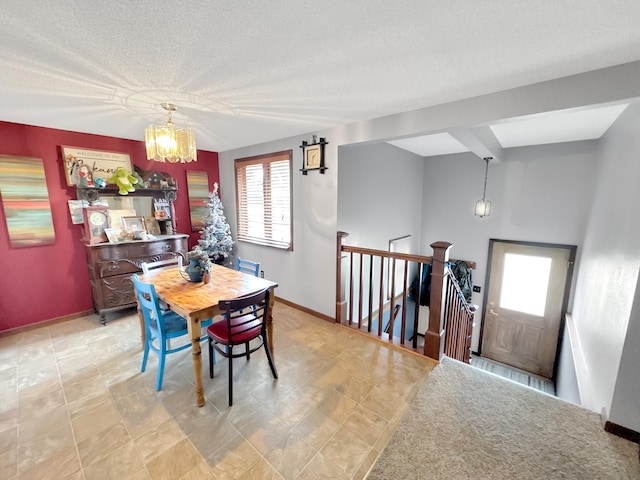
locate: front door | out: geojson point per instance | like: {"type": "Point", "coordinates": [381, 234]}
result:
{"type": "Point", "coordinates": [526, 297]}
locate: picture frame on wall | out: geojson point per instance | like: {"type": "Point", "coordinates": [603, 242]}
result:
{"type": "Point", "coordinates": [24, 197]}
{"type": "Point", "coordinates": [313, 155]}
{"type": "Point", "coordinates": [198, 193]}
{"type": "Point", "coordinates": [75, 210]}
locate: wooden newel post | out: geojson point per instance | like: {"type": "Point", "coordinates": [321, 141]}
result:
{"type": "Point", "coordinates": [434, 336]}
{"type": "Point", "coordinates": [339, 299]}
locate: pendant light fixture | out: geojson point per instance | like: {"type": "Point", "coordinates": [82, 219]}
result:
{"type": "Point", "coordinates": [483, 207]}
{"type": "Point", "coordinates": [166, 143]}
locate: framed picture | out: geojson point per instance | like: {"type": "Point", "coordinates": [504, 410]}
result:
{"type": "Point", "coordinates": [162, 212]}
{"type": "Point", "coordinates": [152, 225]}
{"type": "Point", "coordinates": [313, 155]}
{"type": "Point", "coordinates": [82, 166]}
{"type": "Point", "coordinates": [112, 234]}
{"type": "Point", "coordinates": [161, 209]}
{"type": "Point", "coordinates": [75, 210]}
{"type": "Point", "coordinates": [133, 224]}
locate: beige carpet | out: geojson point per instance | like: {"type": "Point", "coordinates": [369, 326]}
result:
{"type": "Point", "coordinates": [498, 429]}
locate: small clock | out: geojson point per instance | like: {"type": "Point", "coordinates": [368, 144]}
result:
{"type": "Point", "coordinates": [313, 155]}
{"type": "Point", "coordinates": [96, 219]}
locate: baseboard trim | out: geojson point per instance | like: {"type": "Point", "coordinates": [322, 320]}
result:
{"type": "Point", "coordinates": [622, 432]}
{"type": "Point", "coordinates": [306, 310]}
{"type": "Point", "coordinates": [44, 323]}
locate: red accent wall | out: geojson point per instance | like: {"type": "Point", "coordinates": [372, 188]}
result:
{"type": "Point", "coordinates": [46, 282]}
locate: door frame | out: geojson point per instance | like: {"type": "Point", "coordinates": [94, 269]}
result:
{"type": "Point", "coordinates": [567, 289]}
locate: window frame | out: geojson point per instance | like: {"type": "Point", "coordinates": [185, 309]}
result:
{"type": "Point", "coordinates": [266, 160]}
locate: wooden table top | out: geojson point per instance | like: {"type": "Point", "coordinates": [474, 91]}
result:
{"type": "Point", "coordinates": [197, 300]}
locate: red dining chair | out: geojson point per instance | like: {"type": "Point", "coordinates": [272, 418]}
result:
{"type": "Point", "coordinates": [245, 319]}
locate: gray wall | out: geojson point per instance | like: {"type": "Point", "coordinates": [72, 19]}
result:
{"type": "Point", "coordinates": [379, 198]}
{"type": "Point", "coordinates": [607, 280]}
{"type": "Point", "coordinates": [538, 194]}
{"type": "Point", "coordinates": [379, 195]}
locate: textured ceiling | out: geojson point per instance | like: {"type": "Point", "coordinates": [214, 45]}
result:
{"type": "Point", "coordinates": [244, 72]}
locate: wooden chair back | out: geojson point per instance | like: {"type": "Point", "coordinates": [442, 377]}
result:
{"type": "Point", "coordinates": [150, 306]}
{"type": "Point", "coordinates": [169, 262]}
{"type": "Point", "coordinates": [247, 266]}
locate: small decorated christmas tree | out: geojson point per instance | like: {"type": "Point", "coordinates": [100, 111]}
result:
{"type": "Point", "coordinates": [216, 234]}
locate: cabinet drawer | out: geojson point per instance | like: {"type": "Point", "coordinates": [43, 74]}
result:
{"type": "Point", "coordinates": [120, 251]}
{"type": "Point", "coordinates": [160, 247]}
{"type": "Point", "coordinates": [110, 268]}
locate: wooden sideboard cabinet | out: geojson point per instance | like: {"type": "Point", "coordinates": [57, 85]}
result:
{"type": "Point", "coordinates": [111, 266]}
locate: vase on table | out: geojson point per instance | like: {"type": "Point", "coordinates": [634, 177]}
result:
{"type": "Point", "coordinates": [194, 271]}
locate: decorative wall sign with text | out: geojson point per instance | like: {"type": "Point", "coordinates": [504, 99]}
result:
{"type": "Point", "coordinates": [80, 162]}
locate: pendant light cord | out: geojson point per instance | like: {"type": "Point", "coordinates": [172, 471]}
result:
{"type": "Point", "coordinates": [486, 172]}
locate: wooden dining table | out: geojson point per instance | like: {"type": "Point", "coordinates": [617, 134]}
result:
{"type": "Point", "coordinates": [197, 302]}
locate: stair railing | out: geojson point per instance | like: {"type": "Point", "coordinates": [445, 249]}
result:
{"type": "Point", "coordinates": [458, 318]}
{"type": "Point", "coordinates": [365, 292]}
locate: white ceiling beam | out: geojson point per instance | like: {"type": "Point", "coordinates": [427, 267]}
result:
{"type": "Point", "coordinates": [481, 141]}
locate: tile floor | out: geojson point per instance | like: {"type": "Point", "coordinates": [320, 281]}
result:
{"type": "Point", "coordinates": [74, 405]}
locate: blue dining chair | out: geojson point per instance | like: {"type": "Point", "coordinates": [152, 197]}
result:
{"type": "Point", "coordinates": [160, 327]}
{"type": "Point", "coordinates": [162, 264]}
{"type": "Point", "coordinates": [247, 266]}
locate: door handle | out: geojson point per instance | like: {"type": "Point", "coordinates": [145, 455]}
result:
{"type": "Point", "coordinates": [492, 311]}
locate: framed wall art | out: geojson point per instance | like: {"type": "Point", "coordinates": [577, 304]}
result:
{"type": "Point", "coordinates": [313, 155]}
{"type": "Point", "coordinates": [82, 166]}
{"type": "Point", "coordinates": [25, 199]}
{"type": "Point", "coordinates": [198, 192]}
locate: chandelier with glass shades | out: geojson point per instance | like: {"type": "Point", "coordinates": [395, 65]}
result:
{"type": "Point", "coordinates": [483, 206]}
{"type": "Point", "coordinates": [166, 143]}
